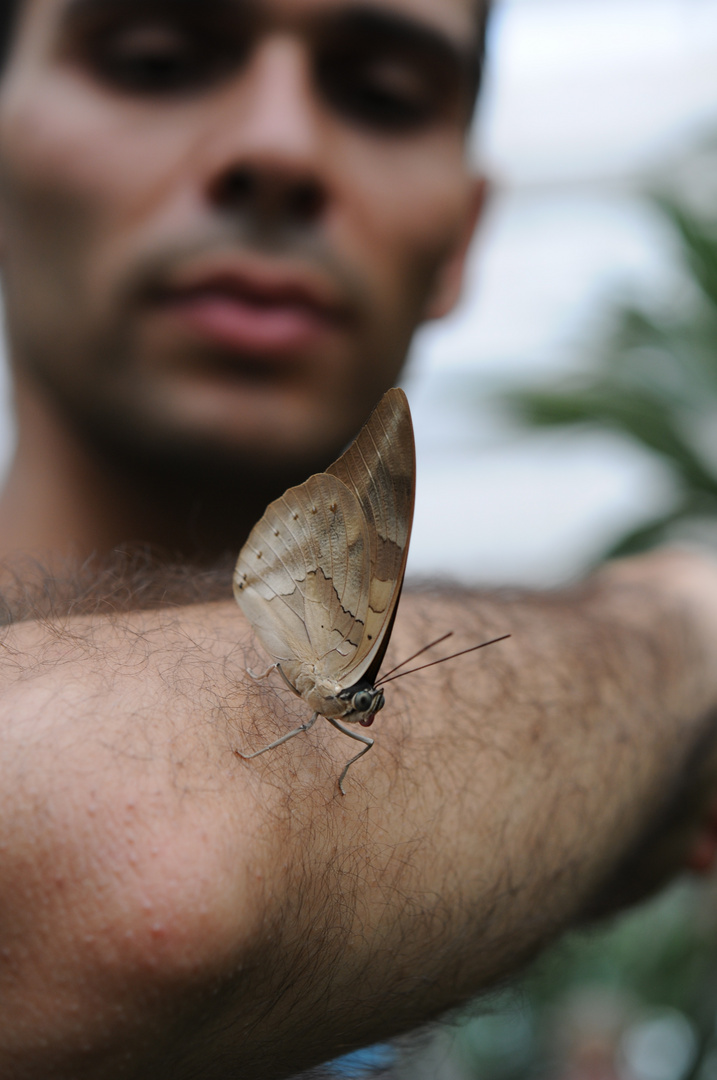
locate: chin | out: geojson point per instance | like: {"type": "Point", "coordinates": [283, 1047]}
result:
{"type": "Point", "coordinates": [266, 421]}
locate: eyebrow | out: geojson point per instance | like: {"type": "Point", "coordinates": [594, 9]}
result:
{"type": "Point", "coordinates": [369, 17]}
{"type": "Point", "coordinates": [366, 20]}
{"type": "Point", "coordinates": [79, 9]}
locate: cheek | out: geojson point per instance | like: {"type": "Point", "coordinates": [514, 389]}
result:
{"type": "Point", "coordinates": [58, 140]}
{"type": "Point", "coordinates": [76, 181]}
{"type": "Point", "coordinates": [44, 214]}
{"type": "Point", "coordinates": [74, 172]}
{"type": "Point", "coordinates": [408, 215]}
{"type": "Point", "coordinates": [51, 199]}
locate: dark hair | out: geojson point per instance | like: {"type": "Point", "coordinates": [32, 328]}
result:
{"type": "Point", "coordinates": [483, 10]}
{"type": "Point", "coordinates": [8, 14]}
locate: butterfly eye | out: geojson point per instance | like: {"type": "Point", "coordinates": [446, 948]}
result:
{"type": "Point", "coordinates": [362, 701]}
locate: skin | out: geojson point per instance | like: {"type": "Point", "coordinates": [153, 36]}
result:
{"type": "Point", "coordinates": [111, 190]}
{"type": "Point", "coordinates": [171, 911]}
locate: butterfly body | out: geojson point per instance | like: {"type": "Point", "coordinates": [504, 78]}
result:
{"type": "Point", "coordinates": [320, 575]}
{"type": "Point", "coordinates": [354, 704]}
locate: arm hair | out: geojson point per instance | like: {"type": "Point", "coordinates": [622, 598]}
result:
{"type": "Point", "coordinates": [172, 911]}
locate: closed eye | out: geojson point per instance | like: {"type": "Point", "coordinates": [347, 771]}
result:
{"type": "Point", "coordinates": [392, 74]}
{"type": "Point", "coordinates": [377, 92]}
{"type": "Point", "coordinates": [157, 48]}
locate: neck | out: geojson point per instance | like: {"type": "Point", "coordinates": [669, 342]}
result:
{"type": "Point", "coordinates": [63, 501]}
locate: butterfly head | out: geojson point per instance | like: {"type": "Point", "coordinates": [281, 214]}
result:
{"type": "Point", "coordinates": [364, 701]}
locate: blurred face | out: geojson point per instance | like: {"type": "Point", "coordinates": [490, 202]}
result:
{"type": "Point", "coordinates": [221, 220]}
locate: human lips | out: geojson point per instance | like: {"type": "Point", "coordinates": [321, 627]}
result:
{"type": "Point", "coordinates": [257, 310]}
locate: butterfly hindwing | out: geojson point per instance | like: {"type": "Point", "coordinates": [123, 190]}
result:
{"type": "Point", "coordinates": [303, 576]}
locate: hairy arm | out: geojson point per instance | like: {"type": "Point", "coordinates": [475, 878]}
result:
{"type": "Point", "coordinates": [169, 910]}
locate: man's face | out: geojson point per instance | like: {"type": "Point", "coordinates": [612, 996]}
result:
{"type": "Point", "coordinates": [221, 220]}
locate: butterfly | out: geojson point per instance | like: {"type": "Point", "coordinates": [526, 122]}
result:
{"type": "Point", "coordinates": [321, 573]}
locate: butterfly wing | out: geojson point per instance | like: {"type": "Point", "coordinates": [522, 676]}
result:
{"type": "Point", "coordinates": [303, 576]}
{"type": "Point", "coordinates": [380, 469]}
{"type": "Point", "coordinates": [320, 576]}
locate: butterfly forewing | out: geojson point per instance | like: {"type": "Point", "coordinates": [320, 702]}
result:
{"type": "Point", "coordinates": [380, 468]}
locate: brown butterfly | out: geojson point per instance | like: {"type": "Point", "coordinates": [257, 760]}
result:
{"type": "Point", "coordinates": [321, 574]}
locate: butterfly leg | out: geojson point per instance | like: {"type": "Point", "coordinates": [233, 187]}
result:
{"type": "Point", "coordinates": [284, 738]}
{"type": "Point", "coordinates": [352, 735]}
{"type": "Point", "coordinates": [264, 674]}
{"type": "Point", "coordinates": [290, 685]}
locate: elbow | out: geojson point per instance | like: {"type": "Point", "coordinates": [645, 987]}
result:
{"type": "Point", "coordinates": [118, 916]}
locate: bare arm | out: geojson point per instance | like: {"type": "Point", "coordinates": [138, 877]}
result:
{"type": "Point", "coordinates": [169, 910]}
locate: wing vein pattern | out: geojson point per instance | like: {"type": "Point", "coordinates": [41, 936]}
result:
{"type": "Point", "coordinates": [320, 575]}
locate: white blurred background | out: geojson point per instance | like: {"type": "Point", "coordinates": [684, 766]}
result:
{"type": "Point", "coordinates": [588, 103]}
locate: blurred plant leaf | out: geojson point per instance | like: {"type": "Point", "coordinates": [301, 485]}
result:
{"type": "Point", "coordinates": [653, 380]}
{"type": "Point", "coordinates": [699, 243]}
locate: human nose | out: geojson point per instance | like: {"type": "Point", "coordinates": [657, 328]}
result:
{"type": "Point", "coordinates": [269, 152]}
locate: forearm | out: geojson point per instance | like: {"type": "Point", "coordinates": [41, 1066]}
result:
{"type": "Point", "coordinates": [165, 899]}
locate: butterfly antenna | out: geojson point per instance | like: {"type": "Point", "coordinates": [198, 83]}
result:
{"type": "Point", "coordinates": [415, 655]}
{"type": "Point", "coordinates": [443, 659]}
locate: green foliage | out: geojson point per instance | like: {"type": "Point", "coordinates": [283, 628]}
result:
{"type": "Point", "coordinates": [663, 954]}
{"type": "Point", "coordinates": [655, 381]}
{"type": "Point", "coordinates": [660, 957]}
